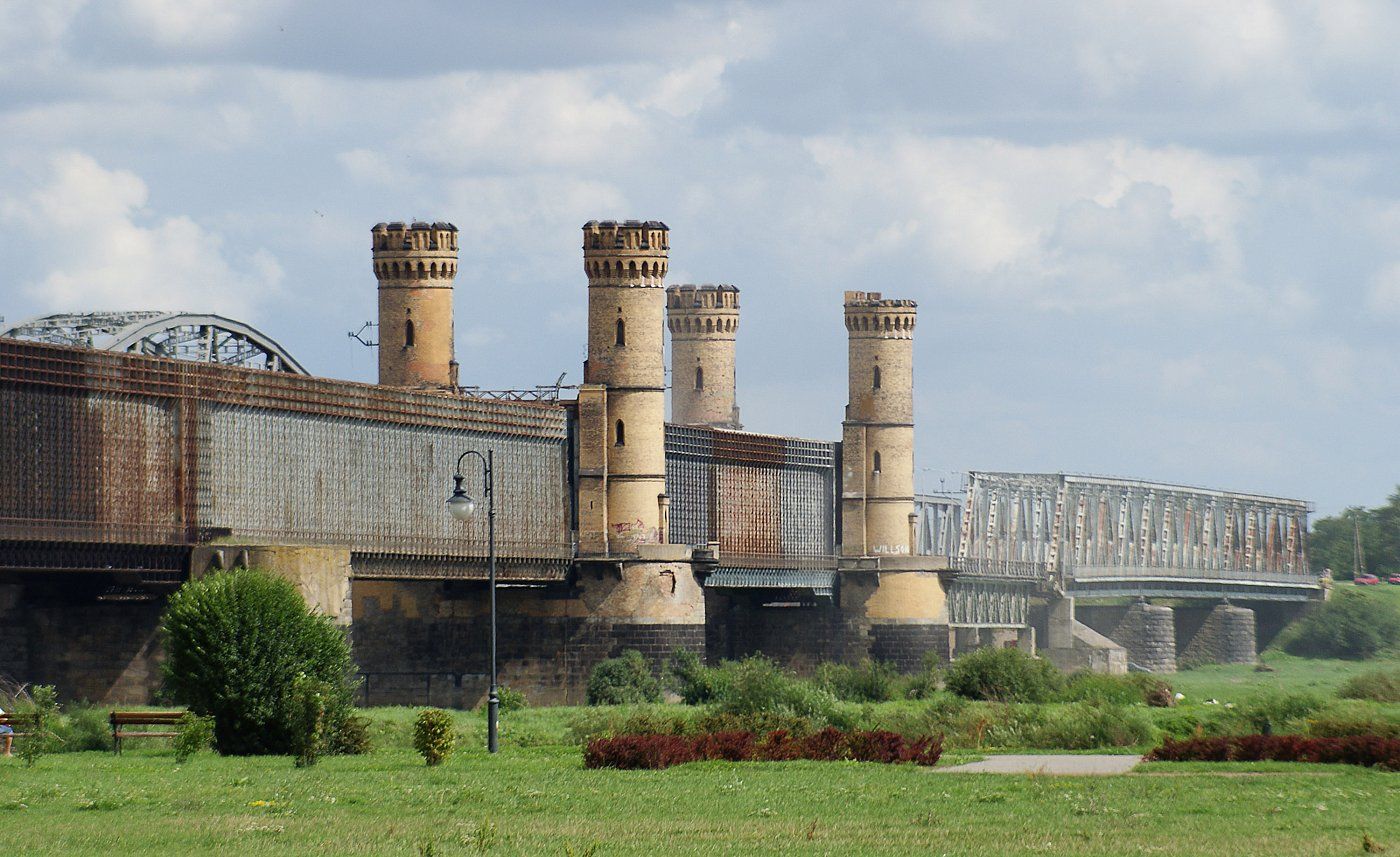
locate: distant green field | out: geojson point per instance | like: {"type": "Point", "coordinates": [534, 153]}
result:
{"type": "Point", "coordinates": [1234, 681]}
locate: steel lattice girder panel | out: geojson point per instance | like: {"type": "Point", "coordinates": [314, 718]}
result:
{"type": "Point", "coordinates": [986, 603]}
{"type": "Point", "coordinates": [378, 487]}
{"type": "Point", "coordinates": [88, 467]}
{"type": "Point", "coordinates": [128, 449]}
{"type": "Point", "coordinates": [1083, 522]}
{"type": "Point", "coordinates": [759, 496]}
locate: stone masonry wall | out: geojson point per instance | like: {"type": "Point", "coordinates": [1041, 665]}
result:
{"type": "Point", "coordinates": [1148, 633]}
{"type": "Point", "coordinates": [1226, 637]}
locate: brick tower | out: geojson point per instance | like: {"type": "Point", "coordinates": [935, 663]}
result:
{"type": "Point", "coordinates": [415, 266]}
{"type": "Point", "coordinates": [896, 600]}
{"type": "Point", "coordinates": [626, 266]}
{"type": "Point", "coordinates": [703, 321]}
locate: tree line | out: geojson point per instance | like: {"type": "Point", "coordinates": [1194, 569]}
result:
{"type": "Point", "coordinates": [1331, 542]}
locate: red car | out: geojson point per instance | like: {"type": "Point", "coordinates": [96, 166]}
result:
{"type": "Point", "coordinates": [1394, 578]}
{"type": "Point", "coordinates": [1366, 580]}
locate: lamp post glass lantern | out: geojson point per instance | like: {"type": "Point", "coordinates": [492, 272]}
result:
{"type": "Point", "coordinates": [463, 508]}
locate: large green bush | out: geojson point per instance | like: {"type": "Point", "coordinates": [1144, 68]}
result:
{"type": "Point", "coordinates": [1352, 625]}
{"type": "Point", "coordinates": [1004, 675]}
{"type": "Point", "coordinates": [627, 679]}
{"type": "Point", "coordinates": [1376, 685]}
{"type": "Point", "coordinates": [696, 683]}
{"type": "Point", "coordinates": [871, 681]}
{"type": "Point", "coordinates": [236, 642]}
{"type": "Point", "coordinates": [756, 685]}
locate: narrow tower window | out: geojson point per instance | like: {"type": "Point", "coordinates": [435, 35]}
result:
{"type": "Point", "coordinates": [408, 334]}
{"type": "Point", "coordinates": [621, 333]}
{"type": "Point", "coordinates": [620, 434]}
{"type": "Point", "coordinates": [699, 378]}
{"type": "Point", "coordinates": [875, 385]}
{"type": "Point", "coordinates": [877, 461]}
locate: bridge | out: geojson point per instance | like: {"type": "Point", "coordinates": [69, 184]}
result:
{"type": "Point", "coordinates": [1091, 562]}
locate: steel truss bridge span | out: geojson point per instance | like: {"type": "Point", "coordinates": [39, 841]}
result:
{"type": "Point", "coordinates": [1106, 537]}
{"type": "Point", "coordinates": [200, 337]}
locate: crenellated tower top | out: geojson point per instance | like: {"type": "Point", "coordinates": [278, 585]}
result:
{"type": "Point", "coordinates": [625, 253]}
{"type": "Point", "coordinates": [705, 310]}
{"type": "Point", "coordinates": [422, 251]}
{"type": "Point", "coordinates": [869, 316]}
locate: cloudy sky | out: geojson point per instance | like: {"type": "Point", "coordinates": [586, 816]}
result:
{"type": "Point", "coordinates": [1147, 239]}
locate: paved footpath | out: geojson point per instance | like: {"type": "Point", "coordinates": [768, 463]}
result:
{"type": "Point", "coordinates": [1066, 765]}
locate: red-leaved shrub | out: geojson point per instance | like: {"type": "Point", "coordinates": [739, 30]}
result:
{"type": "Point", "coordinates": [647, 752]}
{"type": "Point", "coordinates": [1365, 750]}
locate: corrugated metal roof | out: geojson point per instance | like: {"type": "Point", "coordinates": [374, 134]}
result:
{"type": "Point", "coordinates": [820, 582]}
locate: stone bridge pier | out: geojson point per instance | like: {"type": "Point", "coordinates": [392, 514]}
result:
{"type": "Point", "coordinates": [1161, 638]}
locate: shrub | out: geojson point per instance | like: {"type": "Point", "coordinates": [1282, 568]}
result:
{"type": "Point", "coordinates": [618, 681]}
{"type": "Point", "coordinates": [649, 752]}
{"type": "Point", "coordinates": [192, 734]}
{"type": "Point", "coordinates": [642, 720]}
{"type": "Point", "coordinates": [434, 736]}
{"type": "Point", "coordinates": [348, 735]}
{"type": "Point", "coordinates": [1004, 675]}
{"type": "Point", "coordinates": [757, 685]}
{"type": "Point", "coordinates": [1351, 625]}
{"type": "Point", "coordinates": [1276, 710]}
{"type": "Point", "coordinates": [306, 724]}
{"type": "Point", "coordinates": [694, 682]}
{"type": "Point", "coordinates": [236, 642]}
{"type": "Point", "coordinates": [1355, 717]}
{"type": "Point", "coordinates": [511, 699]}
{"type": "Point", "coordinates": [1376, 685]}
{"type": "Point", "coordinates": [84, 727]}
{"type": "Point", "coordinates": [1084, 727]}
{"type": "Point", "coordinates": [39, 719]}
{"type": "Point", "coordinates": [1366, 750]}
{"type": "Point", "coordinates": [872, 681]}
{"type": "Point", "coordinates": [1131, 689]}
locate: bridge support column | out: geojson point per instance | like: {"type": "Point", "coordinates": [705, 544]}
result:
{"type": "Point", "coordinates": [1059, 631]}
{"type": "Point", "coordinates": [1225, 637]}
{"type": "Point", "coordinates": [1148, 633]}
{"type": "Point", "coordinates": [899, 617]}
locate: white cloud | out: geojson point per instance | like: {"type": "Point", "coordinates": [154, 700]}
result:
{"type": "Point", "coordinates": [197, 23]}
{"type": "Point", "coordinates": [1070, 226]}
{"type": "Point", "coordinates": [111, 261]}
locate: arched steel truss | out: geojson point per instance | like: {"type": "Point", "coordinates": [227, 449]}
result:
{"type": "Point", "coordinates": [181, 335]}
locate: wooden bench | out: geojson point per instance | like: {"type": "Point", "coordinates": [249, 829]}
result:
{"type": "Point", "coordinates": [122, 721]}
{"type": "Point", "coordinates": [13, 723]}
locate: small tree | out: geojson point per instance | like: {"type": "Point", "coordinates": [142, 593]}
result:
{"type": "Point", "coordinates": [39, 720]}
{"type": "Point", "coordinates": [434, 736]}
{"type": "Point", "coordinates": [192, 734]}
{"type": "Point", "coordinates": [236, 643]}
{"type": "Point", "coordinates": [618, 681]}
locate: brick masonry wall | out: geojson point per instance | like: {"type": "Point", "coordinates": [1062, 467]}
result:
{"type": "Point", "coordinates": [96, 651]}
{"type": "Point", "coordinates": [799, 638]}
{"type": "Point", "coordinates": [1148, 633]}
{"type": "Point", "coordinates": [1226, 637]}
{"type": "Point", "coordinates": [907, 644]}
{"type": "Point", "coordinates": [420, 641]}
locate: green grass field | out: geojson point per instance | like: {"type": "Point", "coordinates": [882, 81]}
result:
{"type": "Point", "coordinates": [536, 798]}
{"type": "Point", "coordinates": [541, 801]}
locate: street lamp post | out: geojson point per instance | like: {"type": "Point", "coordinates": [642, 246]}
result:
{"type": "Point", "coordinates": [462, 507]}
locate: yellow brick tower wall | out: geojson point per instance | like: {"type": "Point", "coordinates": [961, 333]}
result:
{"type": "Point", "coordinates": [878, 432]}
{"type": "Point", "coordinates": [415, 266]}
{"type": "Point", "coordinates": [626, 267]}
{"type": "Point", "coordinates": [703, 321]}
